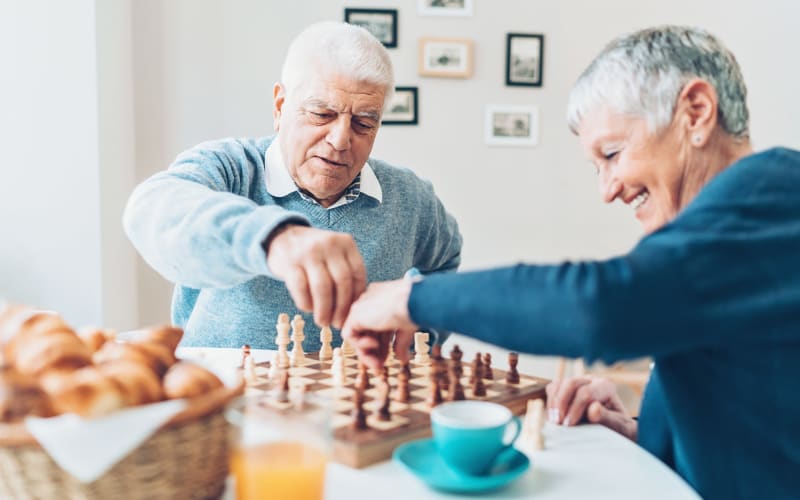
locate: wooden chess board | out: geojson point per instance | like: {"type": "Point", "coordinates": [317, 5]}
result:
{"type": "Point", "coordinates": [409, 421]}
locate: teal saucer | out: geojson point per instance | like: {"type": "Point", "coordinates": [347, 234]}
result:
{"type": "Point", "coordinates": [421, 459]}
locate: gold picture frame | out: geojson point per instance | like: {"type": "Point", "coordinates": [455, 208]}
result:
{"type": "Point", "coordinates": [445, 57]}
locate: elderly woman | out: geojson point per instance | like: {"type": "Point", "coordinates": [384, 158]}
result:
{"type": "Point", "coordinates": [712, 292]}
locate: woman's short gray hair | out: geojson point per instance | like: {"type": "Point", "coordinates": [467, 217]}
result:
{"type": "Point", "coordinates": [335, 48]}
{"type": "Point", "coordinates": [643, 73]}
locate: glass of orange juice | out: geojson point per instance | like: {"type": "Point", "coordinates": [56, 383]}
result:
{"type": "Point", "coordinates": [280, 450]}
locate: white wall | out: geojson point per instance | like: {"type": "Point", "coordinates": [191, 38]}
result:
{"type": "Point", "coordinates": [204, 69]}
{"type": "Point", "coordinates": [60, 132]}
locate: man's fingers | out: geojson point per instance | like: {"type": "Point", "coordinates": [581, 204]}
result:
{"type": "Point", "coordinates": [402, 344]}
{"type": "Point", "coordinates": [339, 270]}
{"type": "Point", "coordinates": [297, 284]}
{"type": "Point", "coordinates": [357, 270]}
{"type": "Point", "coordinates": [321, 287]}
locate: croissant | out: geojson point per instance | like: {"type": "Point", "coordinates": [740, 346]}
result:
{"type": "Point", "coordinates": [139, 384]}
{"type": "Point", "coordinates": [86, 392]}
{"type": "Point", "coordinates": [155, 356]}
{"type": "Point", "coordinates": [187, 380]}
{"type": "Point", "coordinates": [21, 396]}
{"type": "Point", "coordinates": [169, 336]}
{"type": "Point", "coordinates": [94, 338]}
{"type": "Point", "coordinates": [35, 353]}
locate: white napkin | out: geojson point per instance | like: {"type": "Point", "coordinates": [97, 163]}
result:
{"type": "Point", "coordinates": [87, 448]}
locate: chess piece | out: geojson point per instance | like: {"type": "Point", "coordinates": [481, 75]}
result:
{"type": "Point", "coordinates": [359, 415]}
{"type": "Point", "coordinates": [436, 351]}
{"type": "Point", "coordinates": [390, 357]}
{"type": "Point", "coordinates": [325, 339]}
{"type": "Point", "coordinates": [456, 392]}
{"type": "Point", "coordinates": [283, 390]}
{"type": "Point", "coordinates": [282, 340]}
{"type": "Point", "coordinates": [245, 354]}
{"type": "Point", "coordinates": [250, 376]}
{"type": "Point", "coordinates": [476, 363]}
{"type": "Point", "coordinates": [347, 349]}
{"type": "Point", "coordinates": [534, 423]}
{"type": "Point", "coordinates": [478, 388]}
{"type": "Point", "coordinates": [298, 336]}
{"type": "Point", "coordinates": [421, 348]}
{"type": "Point", "coordinates": [487, 367]}
{"type": "Point", "coordinates": [383, 411]}
{"type": "Point", "coordinates": [512, 377]}
{"type": "Point", "coordinates": [435, 376]}
{"type": "Point", "coordinates": [456, 354]}
{"type": "Point", "coordinates": [441, 369]}
{"type": "Point", "coordinates": [401, 394]}
{"type": "Point", "coordinates": [362, 379]}
{"type": "Point", "coordinates": [337, 369]}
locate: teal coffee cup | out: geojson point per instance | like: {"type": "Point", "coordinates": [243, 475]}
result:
{"type": "Point", "coordinates": [469, 435]}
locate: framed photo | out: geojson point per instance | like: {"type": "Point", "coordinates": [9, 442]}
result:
{"type": "Point", "coordinates": [446, 57]}
{"type": "Point", "coordinates": [445, 7]}
{"type": "Point", "coordinates": [402, 109]}
{"type": "Point", "coordinates": [524, 54]}
{"type": "Point", "coordinates": [512, 125]}
{"type": "Point", "coordinates": [382, 23]}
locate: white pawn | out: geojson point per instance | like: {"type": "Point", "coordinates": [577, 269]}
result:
{"type": "Point", "coordinates": [282, 340]}
{"type": "Point", "coordinates": [390, 359]}
{"type": "Point", "coordinates": [421, 348]}
{"type": "Point", "coordinates": [347, 349]}
{"type": "Point", "coordinates": [250, 376]}
{"type": "Point", "coordinates": [275, 366]}
{"type": "Point", "coordinates": [298, 356]}
{"type": "Point", "coordinates": [337, 368]}
{"type": "Point", "coordinates": [534, 423]}
{"type": "Point", "coordinates": [325, 338]}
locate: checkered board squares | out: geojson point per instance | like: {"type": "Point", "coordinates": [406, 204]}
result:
{"type": "Point", "coordinates": [411, 420]}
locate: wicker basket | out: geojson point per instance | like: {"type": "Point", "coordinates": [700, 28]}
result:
{"type": "Point", "coordinates": [185, 459]}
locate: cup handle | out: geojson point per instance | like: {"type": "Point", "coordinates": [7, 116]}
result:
{"type": "Point", "coordinates": [518, 425]}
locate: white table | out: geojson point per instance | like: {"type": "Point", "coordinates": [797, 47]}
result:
{"type": "Point", "coordinates": [587, 461]}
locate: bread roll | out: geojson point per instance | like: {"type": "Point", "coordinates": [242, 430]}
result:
{"type": "Point", "coordinates": [88, 393]}
{"type": "Point", "coordinates": [32, 324]}
{"type": "Point", "coordinates": [138, 382]}
{"type": "Point", "coordinates": [155, 356]}
{"type": "Point", "coordinates": [21, 396]}
{"type": "Point", "coordinates": [169, 336]}
{"type": "Point", "coordinates": [187, 380]}
{"type": "Point", "coordinates": [94, 337]}
{"type": "Point", "coordinates": [36, 353]}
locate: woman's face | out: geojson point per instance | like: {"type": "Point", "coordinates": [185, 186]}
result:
{"type": "Point", "coordinates": [645, 171]}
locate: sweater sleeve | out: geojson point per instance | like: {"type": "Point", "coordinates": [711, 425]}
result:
{"type": "Point", "coordinates": [677, 290]}
{"type": "Point", "coordinates": [194, 225]}
{"type": "Point", "coordinates": [439, 247]}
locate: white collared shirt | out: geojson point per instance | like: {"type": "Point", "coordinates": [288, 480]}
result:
{"type": "Point", "coordinates": [280, 183]}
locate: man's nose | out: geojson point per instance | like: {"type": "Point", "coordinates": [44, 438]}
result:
{"type": "Point", "coordinates": [610, 186]}
{"type": "Point", "coordinates": [339, 133]}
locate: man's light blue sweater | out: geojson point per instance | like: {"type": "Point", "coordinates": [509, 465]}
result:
{"type": "Point", "coordinates": [201, 224]}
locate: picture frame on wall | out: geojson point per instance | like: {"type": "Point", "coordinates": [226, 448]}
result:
{"type": "Point", "coordinates": [382, 23]}
{"type": "Point", "coordinates": [524, 58]}
{"type": "Point", "coordinates": [512, 125]}
{"type": "Point", "coordinates": [402, 108]}
{"type": "Point", "coordinates": [462, 8]}
{"type": "Point", "coordinates": [445, 57]}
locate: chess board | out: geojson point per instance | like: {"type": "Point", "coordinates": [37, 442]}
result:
{"type": "Point", "coordinates": [409, 421]}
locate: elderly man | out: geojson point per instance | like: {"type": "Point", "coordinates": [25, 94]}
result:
{"type": "Point", "coordinates": [712, 292]}
{"type": "Point", "coordinates": [249, 228]}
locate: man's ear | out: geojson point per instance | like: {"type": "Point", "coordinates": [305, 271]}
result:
{"type": "Point", "coordinates": [698, 104]}
{"type": "Point", "coordinates": [278, 99]}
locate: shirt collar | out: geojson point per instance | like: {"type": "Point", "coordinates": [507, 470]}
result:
{"type": "Point", "coordinates": [280, 183]}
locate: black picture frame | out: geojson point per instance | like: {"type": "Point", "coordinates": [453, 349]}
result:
{"type": "Point", "coordinates": [403, 108]}
{"type": "Point", "coordinates": [524, 59]}
{"type": "Point", "coordinates": [382, 23]}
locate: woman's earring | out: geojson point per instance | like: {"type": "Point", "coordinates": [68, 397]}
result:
{"type": "Point", "coordinates": [697, 139]}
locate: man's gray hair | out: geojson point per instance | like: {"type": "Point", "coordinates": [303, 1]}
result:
{"type": "Point", "coordinates": [643, 73]}
{"type": "Point", "coordinates": [334, 48]}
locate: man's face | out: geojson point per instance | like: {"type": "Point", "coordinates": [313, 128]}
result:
{"type": "Point", "coordinates": [326, 128]}
{"type": "Point", "coordinates": [646, 171]}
